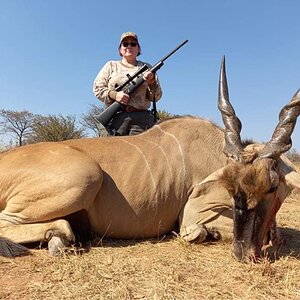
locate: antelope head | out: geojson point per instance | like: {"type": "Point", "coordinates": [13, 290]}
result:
{"type": "Point", "coordinates": [258, 178]}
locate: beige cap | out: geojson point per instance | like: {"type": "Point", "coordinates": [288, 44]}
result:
{"type": "Point", "coordinates": [128, 34]}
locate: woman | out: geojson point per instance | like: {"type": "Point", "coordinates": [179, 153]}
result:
{"type": "Point", "coordinates": [135, 116]}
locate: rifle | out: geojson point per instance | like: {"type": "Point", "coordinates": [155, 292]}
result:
{"type": "Point", "coordinates": [131, 85]}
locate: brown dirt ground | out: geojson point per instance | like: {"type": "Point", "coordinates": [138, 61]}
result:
{"type": "Point", "coordinates": [158, 269]}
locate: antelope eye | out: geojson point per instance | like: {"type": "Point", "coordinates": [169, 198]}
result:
{"type": "Point", "coordinates": [272, 189]}
{"type": "Point", "coordinates": [240, 202]}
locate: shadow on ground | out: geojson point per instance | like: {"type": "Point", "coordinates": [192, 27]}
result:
{"type": "Point", "coordinates": [290, 246]}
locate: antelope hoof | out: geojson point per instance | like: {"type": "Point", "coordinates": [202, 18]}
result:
{"type": "Point", "coordinates": [56, 243]}
{"type": "Point", "coordinates": [213, 234]}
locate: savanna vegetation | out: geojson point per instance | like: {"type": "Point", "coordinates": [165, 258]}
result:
{"type": "Point", "coordinates": [24, 127]}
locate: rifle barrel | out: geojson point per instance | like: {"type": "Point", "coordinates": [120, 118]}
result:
{"type": "Point", "coordinates": [173, 51]}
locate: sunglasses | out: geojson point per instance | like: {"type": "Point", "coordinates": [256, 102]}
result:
{"type": "Point", "coordinates": [126, 44]}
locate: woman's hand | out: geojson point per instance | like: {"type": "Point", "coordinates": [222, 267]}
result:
{"type": "Point", "coordinates": [149, 77]}
{"type": "Point", "coordinates": [122, 98]}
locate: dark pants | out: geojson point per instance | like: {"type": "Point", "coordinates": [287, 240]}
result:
{"type": "Point", "coordinates": [130, 123]}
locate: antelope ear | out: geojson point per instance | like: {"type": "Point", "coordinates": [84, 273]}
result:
{"type": "Point", "coordinates": [225, 176]}
{"type": "Point", "coordinates": [287, 168]}
{"type": "Point", "coordinates": [293, 179]}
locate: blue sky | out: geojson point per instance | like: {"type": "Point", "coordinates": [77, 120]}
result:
{"type": "Point", "coordinates": [51, 51]}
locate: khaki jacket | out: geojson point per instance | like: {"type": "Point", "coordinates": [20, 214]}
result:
{"type": "Point", "coordinates": [114, 72]}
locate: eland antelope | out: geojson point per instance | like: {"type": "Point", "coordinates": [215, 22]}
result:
{"type": "Point", "coordinates": [185, 173]}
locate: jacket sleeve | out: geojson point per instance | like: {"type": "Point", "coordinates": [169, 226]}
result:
{"type": "Point", "coordinates": [100, 86]}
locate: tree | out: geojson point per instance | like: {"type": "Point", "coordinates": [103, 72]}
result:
{"type": "Point", "coordinates": [89, 119]}
{"type": "Point", "coordinates": [54, 128]}
{"type": "Point", "coordinates": [2, 146]}
{"type": "Point", "coordinates": [19, 124]}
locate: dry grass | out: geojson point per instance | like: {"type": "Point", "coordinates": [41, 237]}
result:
{"type": "Point", "coordinates": [159, 269]}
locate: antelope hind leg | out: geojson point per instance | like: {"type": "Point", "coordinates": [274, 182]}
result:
{"type": "Point", "coordinates": [58, 233]}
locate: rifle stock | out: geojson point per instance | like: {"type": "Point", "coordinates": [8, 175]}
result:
{"type": "Point", "coordinates": [108, 113]}
{"type": "Point", "coordinates": [129, 86]}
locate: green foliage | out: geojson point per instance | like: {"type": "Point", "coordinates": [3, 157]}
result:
{"type": "Point", "coordinates": [54, 128]}
{"type": "Point", "coordinates": [163, 114]}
